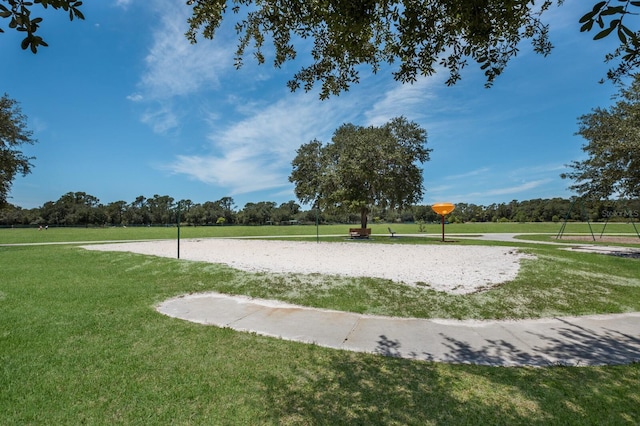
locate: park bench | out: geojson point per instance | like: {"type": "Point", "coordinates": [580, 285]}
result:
{"type": "Point", "coordinates": [359, 232]}
{"type": "Point", "coordinates": [391, 232]}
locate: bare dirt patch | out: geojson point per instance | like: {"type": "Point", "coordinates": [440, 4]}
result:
{"type": "Point", "coordinates": [613, 239]}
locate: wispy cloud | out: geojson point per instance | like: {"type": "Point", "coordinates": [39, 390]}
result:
{"type": "Point", "coordinates": [400, 99]}
{"type": "Point", "coordinates": [176, 68]}
{"type": "Point", "coordinates": [515, 189]}
{"type": "Point", "coordinates": [255, 153]}
{"type": "Point", "coordinates": [473, 173]}
{"type": "Point", "coordinates": [161, 119]}
{"type": "Point", "coordinates": [493, 192]}
{"type": "Point", "coordinates": [123, 3]}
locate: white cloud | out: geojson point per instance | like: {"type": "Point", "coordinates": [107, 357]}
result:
{"type": "Point", "coordinates": [135, 97]}
{"type": "Point", "coordinates": [473, 173]}
{"type": "Point", "coordinates": [401, 99]}
{"type": "Point", "coordinates": [176, 68]}
{"type": "Point", "coordinates": [161, 119]}
{"type": "Point", "coordinates": [496, 192]}
{"type": "Point", "coordinates": [255, 153]}
{"type": "Point", "coordinates": [518, 188]}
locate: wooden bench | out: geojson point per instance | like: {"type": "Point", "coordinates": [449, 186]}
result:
{"type": "Point", "coordinates": [391, 232]}
{"type": "Point", "coordinates": [359, 232]}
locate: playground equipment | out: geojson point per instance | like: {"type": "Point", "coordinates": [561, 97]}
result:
{"type": "Point", "coordinates": [443, 209]}
{"type": "Point", "coordinates": [617, 211]}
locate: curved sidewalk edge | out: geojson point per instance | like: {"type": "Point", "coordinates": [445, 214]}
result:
{"type": "Point", "coordinates": [573, 341]}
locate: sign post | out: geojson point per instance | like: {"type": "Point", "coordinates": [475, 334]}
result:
{"type": "Point", "coordinates": [178, 218]}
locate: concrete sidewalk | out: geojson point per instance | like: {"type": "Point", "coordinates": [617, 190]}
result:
{"type": "Point", "coordinates": [575, 341]}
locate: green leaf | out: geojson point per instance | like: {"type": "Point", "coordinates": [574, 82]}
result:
{"type": "Point", "coordinates": [586, 27]}
{"type": "Point", "coordinates": [621, 36]}
{"type": "Point", "coordinates": [588, 17]}
{"type": "Point", "coordinates": [628, 31]}
{"type": "Point", "coordinates": [602, 34]}
{"type": "Point", "coordinates": [612, 11]}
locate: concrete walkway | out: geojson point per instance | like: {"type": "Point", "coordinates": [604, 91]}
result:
{"type": "Point", "coordinates": [574, 341]}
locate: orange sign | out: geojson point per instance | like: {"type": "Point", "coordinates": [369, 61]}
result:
{"type": "Point", "coordinates": [443, 208]}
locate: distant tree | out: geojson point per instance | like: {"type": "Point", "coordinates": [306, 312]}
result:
{"type": "Point", "coordinates": [228, 209]}
{"type": "Point", "coordinates": [613, 147]}
{"type": "Point", "coordinates": [363, 167]}
{"type": "Point", "coordinates": [286, 211]}
{"type": "Point", "coordinates": [257, 213]}
{"type": "Point", "coordinates": [137, 213]}
{"type": "Point", "coordinates": [184, 207]}
{"type": "Point", "coordinates": [74, 208]}
{"type": "Point", "coordinates": [161, 209]}
{"type": "Point", "coordinates": [115, 212]}
{"type": "Point", "coordinates": [12, 215]}
{"type": "Point", "coordinates": [13, 134]}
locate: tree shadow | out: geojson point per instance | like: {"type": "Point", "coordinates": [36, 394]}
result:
{"type": "Point", "coordinates": [365, 389]}
{"type": "Point", "coordinates": [341, 387]}
{"type": "Point", "coordinates": [577, 346]}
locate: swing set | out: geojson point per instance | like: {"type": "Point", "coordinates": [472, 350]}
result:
{"type": "Point", "coordinates": [609, 214]}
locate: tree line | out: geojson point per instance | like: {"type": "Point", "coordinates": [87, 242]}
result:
{"type": "Point", "coordinates": [82, 209]}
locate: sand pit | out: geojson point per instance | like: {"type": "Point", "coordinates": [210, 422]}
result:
{"type": "Point", "coordinates": [453, 269]}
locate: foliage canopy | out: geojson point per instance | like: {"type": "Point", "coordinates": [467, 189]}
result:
{"type": "Point", "coordinates": [13, 133]}
{"type": "Point", "coordinates": [362, 167]}
{"type": "Point", "coordinates": [418, 35]}
{"type": "Point", "coordinates": [613, 147]}
{"type": "Point", "coordinates": [19, 14]}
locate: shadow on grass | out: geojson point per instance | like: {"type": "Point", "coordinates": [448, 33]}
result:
{"type": "Point", "coordinates": [367, 389]}
{"type": "Point", "coordinates": [351, 389]}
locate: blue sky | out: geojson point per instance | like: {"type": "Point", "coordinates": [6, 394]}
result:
{"type": "Point", "coordinates": [122, 106]}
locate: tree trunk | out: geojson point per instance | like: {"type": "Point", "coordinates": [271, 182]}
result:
{"type": "Point", "coordinates": [364, 211]}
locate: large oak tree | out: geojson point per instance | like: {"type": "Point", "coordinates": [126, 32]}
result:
{"type": "Point", "coordinates": [613, 148]}
{"type": "Point", "coordinates": [13, 134]}
{"type": "Point", "coordinates": [362, 167]}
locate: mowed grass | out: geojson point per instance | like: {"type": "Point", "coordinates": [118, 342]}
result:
{"type": "Point", "coordinates": [81, 343]}
{"type": "Point", "coordinates": [62, 234]}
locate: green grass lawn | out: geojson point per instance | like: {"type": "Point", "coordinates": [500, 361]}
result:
{"type": "Point", "coordinates": [32, 235]}
{"type": "Point", "coordinates": [81, 343]}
